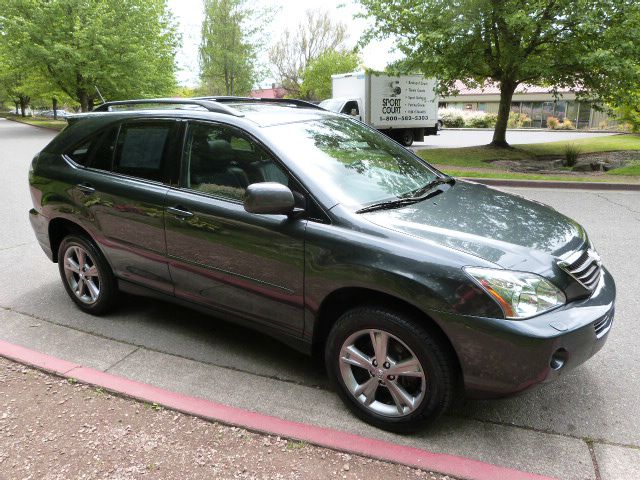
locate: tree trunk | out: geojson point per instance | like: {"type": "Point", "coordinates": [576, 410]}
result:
{"type": "Point", "coordinates": [55, 108]}
{"type": "Point", "coordinates": [17, 107]}
{"type": "Point", "coordinates": [23, 106]}
{"type": "Point", "coordinates": [83, 98]}
{"type": "Point", "coordinates": [507, 87]}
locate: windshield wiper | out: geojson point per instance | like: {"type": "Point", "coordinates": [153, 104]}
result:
{"type": "Point", "coordinates": [420, 192]}
{"type": "Point", "coordinates": [418, 195]}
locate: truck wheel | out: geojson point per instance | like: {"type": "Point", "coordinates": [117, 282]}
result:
{"type": "Point", "coordinates": [406, 137]}
{"type": "Point", "coordinates": [388, 369]}
{"type": "Point", "coordinates": [440, 125]}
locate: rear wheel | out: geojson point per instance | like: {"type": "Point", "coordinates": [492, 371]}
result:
{"type": "Point", "coordinates": [86, 275]}
{"type": "Point", "coordinates": [388, 369]}
{"type": "Point", "coordinates": [406, 137]}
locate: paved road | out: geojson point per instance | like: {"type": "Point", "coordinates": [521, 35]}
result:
{"type": "Point", "coordinates": [469, 138]}
{"type": "Point", "coordinates": [587, 418]}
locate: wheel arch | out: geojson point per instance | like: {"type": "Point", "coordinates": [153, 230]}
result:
{"type": "Point", "coordinates": [343, 299]}
{"type": "Point", "coordinates": [60, 228]}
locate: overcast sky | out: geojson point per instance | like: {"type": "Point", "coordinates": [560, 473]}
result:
{"type": "Point", "coordinates": [189, 14]}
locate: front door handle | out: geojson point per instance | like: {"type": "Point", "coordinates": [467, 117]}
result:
{"type": "Point", "coordinates": [86, 188]}
{"type": "Point", "coordinates": [179, 212]}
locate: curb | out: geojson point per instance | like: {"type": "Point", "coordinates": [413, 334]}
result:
{"type": "Point", "coordinates": [460, 467]}
{"type": "Point", "coordinates": [499, 182]}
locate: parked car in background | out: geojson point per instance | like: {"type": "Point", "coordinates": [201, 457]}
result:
{"type": "Point", "coordinates": [404, 107]}
{"type": "Point", "coordinates": [51, 114]}
{"type": "Point", "coordinates": [414, 287]}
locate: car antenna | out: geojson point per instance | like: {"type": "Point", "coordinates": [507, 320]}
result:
{"type": "Point", "coordinates": [99, 94]}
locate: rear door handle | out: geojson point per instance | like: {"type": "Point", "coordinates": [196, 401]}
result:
{"type": "Point", "coordinates": [86, 188]}
{"type": "Point", "coordinates": [179, 212]}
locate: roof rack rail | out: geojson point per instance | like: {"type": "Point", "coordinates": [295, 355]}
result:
{"type": "Point", "coordinates": [206, 103]}
{"type": "Point", "coordinates": [284, 101]}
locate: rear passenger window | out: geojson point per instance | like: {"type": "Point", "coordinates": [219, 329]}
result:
{"type": "Point", "coordinates": [141, 149]}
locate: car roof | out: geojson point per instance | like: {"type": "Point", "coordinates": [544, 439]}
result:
{"type": "Point", "coordinates": [232, 110]}
{"type": "Point", "coordinates": [261, 111]}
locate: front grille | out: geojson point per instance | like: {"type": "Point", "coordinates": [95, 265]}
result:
{"type": "Point", "coordinates": [603, 324]}
{"type": "Point", "coordinates": [585, 266]}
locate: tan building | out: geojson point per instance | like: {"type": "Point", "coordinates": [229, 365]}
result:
{"type": "Point", "coordinates": [538, 103]}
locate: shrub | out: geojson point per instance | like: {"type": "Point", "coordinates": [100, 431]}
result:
{"type": "Point", "coordinates": [467, 118]}
{"type": "Point", "coordinates": [571, 152]}
{"type": "Point", "coordinates": [552, 122]}
{"type": "Point", "coordinates": [566, 125]}
{"type": "Point", "coordinates": [451, 117]}
{"type": "Point", "coordinates": [518, 120]}
{"type": "Point", "coordinates": [481, 120]}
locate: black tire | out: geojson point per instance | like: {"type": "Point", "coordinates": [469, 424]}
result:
{"type": "Point", "coordinates": [438, 382]}
{"type": "Point", "coordinates": [103, 278]}
{"type": "Point", "coordinates": [406, 137]}
{"type": "Point", "coordinates": [440, 125]}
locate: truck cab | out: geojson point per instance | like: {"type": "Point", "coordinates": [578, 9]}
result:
{"type": "Point", "coordinates": [346, 105]}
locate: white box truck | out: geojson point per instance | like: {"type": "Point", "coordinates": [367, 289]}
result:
{"type": "Point", "coordinates": [404, 107]}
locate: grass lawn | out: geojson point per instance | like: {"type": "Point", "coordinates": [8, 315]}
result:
{"type": "Point", "coordinates": [479, 157]}
{"type": "Point", "coordinates": [38, 122]}
{"type": "Point", "coordinates": [633, 169]}
{"type": "Point", "coordinates": [620, 178]}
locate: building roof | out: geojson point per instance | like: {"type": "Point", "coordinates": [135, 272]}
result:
{"type": "Point", "coordinates": [274, 92]}
{"type": "Point", "coordinates": [491, 88]}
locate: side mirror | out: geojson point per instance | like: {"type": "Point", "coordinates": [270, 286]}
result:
{"type": "Point", "coordinates": [269, 198]}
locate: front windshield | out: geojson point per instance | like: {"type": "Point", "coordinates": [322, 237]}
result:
{"type": "Point", "coordinates": [355, 164]}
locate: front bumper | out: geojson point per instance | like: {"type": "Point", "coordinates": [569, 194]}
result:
{"type": "Point", "coordinates": [504, 357]}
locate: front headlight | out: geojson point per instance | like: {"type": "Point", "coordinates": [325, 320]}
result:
{"type": "Point", "coordinates": [520, 294]}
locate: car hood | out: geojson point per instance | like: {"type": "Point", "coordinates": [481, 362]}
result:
{"type": "Point", "coordinates": [502, 228]}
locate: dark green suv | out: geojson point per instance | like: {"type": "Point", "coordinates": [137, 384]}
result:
{"type": "Point", "coordinates": [316, 229]}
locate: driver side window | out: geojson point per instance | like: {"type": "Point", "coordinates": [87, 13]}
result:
{"type": "Point", "coordinates": [223, 162]}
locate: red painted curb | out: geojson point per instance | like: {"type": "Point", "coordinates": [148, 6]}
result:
{"type": "Point", "coordinates": [325, 437]}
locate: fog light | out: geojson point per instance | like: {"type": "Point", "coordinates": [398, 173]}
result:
{"type": "Point", "coordinates": [558, 359]}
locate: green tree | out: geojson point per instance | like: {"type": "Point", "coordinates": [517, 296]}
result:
{"type": "Point", "coordinates": [294, 51]}
{"type": "Point", "coordinates": [228, 51]}
{"type": "Point", "coordinates": [316, 79]}
{"type": "Point", "coordinates": [511, 42]}
{"type": "Point", "coordinates": [126, 48]}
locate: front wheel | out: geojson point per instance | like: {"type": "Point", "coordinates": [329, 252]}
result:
{"type": "Point", "coordinates": [389, 370]}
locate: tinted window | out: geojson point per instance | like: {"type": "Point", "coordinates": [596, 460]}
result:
{"type": "Point", "coordinates": [141, 149]}
{"type": "Point", "coordinates": [222, 161]}
{"type": "Point", "coordinates": [102, 151]}
{"type": "Point", "coordinates": [80, 153]}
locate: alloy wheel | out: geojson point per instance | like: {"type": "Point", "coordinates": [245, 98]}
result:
{"type": "Point", "coordinates": [82, 274]}
{"type": "Point", "coordinates": [382, 373]}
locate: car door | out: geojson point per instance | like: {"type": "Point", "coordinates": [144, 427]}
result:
{"type": "Point", "coordinates": [124, 188]}
{"type": "Point", "coordinates": [221, 256]}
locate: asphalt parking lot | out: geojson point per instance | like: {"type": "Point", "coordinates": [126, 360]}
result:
{"type": "Point", "coordinates": [584, 426]}
{"type": "Point", "coordinates": [452, 138]}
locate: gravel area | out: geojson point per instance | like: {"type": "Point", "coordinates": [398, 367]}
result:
{"type": "Point", "coordinates": [54, 428]}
